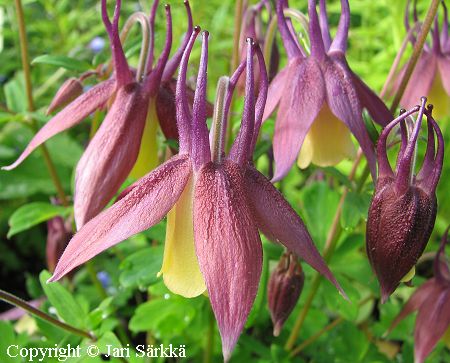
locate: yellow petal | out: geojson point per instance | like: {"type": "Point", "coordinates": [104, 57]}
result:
{"type": "Point", "coordinates": [438, 97]}
{"type": "Point", "coordinates": [327, 143]}
{"type": "Point", "coordinates": [409, 276]}
{"type": "Point", "coordinates": [147, 159]}
{"type": "Point", "coordinates": [180, 269]}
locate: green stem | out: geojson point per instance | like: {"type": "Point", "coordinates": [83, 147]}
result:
{"type": "Point", "coordinates": [327, 328]}
{"type": "Point", "coordinates": [209, 348]}
{"type": "Point", "coordinates": [29, 94]}
{"type": "Point", "coordinates": [16, 301]}
{"type": "Point", "coordinates": [418, 47]}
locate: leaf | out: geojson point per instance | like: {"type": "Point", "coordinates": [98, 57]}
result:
{"type": "Point", "coordinates": [32, 214]}
{"type": "Point", "coordinates": [7, 339]}
{"type": "Point", "coordinates": [165, 317]}
{"type": "Point", "coordinates": [62, 300]}
{"type": "Point", "coordinates": [62, 61]}
{"type": "Point", "coordinates": [319, 206]}
{"type": "Point", "coordinates": [141, 268]}
{"type": "Point", "coordinates": [15, 94]}
{"type": "Point", "coordinates": [354, 209]}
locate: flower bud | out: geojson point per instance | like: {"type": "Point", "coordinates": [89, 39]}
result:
{"type": "Point", "coordinates": [59, 234]}
{"type": "Point", "coordinates": [285, 286]}
{"type": "Point", "coordinates": [403, 209]}
{"type": "Point", "coordinates": [70, 90]}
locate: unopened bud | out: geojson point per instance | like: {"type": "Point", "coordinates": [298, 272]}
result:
{"type": "Point", "coordinates": [58, 236]}
{"type": "Point", "coordinates": [285, 286]}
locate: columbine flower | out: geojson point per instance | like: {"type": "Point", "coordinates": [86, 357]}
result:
{"type": "Point", "coordinates": [284, 288]}
{"type": "Point", "coordinates": [216, 206]}
{"type": "Point", "coordinates": [403, 209]}
{"type": "Point", "coordinates": [432, 300]}
{"type": "Point", "coordinates": [113, 151]}
{"type": "Point", "coordinates": [320, 99]}
{"type": "Point", "coordinates": [431, 76]}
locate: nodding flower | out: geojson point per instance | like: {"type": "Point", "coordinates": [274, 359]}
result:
{"type": "Point", "coordinates": [403, 208]}
{"type": "Point", "coordinates": [283, 290]}
{"type": "Point", "coordinates": [113, 151]}
{"type": "Point", "coordinates": [432, 301]}
{"type": "Point", "coordinates": [215, 203]}
{"type": "Point", "coordinates": [320, 100]}
{"type": "Point", "coordinates": [431, 76]}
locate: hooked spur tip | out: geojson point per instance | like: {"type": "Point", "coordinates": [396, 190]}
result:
{"type": "Point", "coordinates": [430, 108]}
{"type": "Point", "coordinates": [167, 7]}
{"type": "Point", "coordinates": [197, 29]}
{"type": "Point", "coordinates": [402, 111]}
{"type": "Point", "coordinates": [205, 34]}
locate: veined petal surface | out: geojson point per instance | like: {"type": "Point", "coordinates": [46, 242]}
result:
{"type": "Point", "coordinates": [146, 203]}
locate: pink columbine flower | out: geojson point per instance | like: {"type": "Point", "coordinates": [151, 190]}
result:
{"type": "Point", "coordinates": [319, 99]}
{"type": "Point", "coordinates": [216, 206]}
{"type": "Point", "coordinates": [113, 151]}
{"type": "Point", "coordinates": [431, 76]}
{"type": "Point", "coordinates": [403, 208]}
{"type": "Point", "coordinates": [432, 300]}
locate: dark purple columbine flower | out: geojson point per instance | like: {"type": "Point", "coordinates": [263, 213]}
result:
{"type": "Point", "coordinates": [431, 76]}
{"type": "Point", "coordinates": [319, 98]}
{"type": "Point", "coordinates": [284, 289]}
{"type": "Point", "coordinates": [432, 300]}
{"type": "Point", "coordinates": [113, 151]}
{"type": "Point", "coordinates": [216, 205]}
{"type": "Point", "coordinates": [403, 208]}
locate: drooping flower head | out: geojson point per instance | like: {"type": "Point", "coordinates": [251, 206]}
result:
{"type": "Point", "coordinates": [216, 205]}
{"type": "Point", "coordinates": [283, 290]}
{"type": "Point", "coordinates": [113, 151]}
{"type": "Point", "coordinates": [403, 208]}
{"type": "Point", "coordinates": [431, 76]}
{"type": "Point", "coordinates": [432, 300]}
{"type": "Point", "coordinates": [319, 99]}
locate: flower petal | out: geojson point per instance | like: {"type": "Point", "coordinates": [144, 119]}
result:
{"type": "Point", "coordinates": [344, 103]}
{"type": "Point", "coordinates": [421, 80]}
{"type": "Point", "coordinates": [372, 103]}
{"type": "Point", "coordinates": [327, 143]}
{"type": "Point", "coordinates": [301, 102]}
{"type": "Point", "coordinates": [180, 268]}
{"type": "Point", "coordinates": [279, 222]}
{"type": "Point", "coordinates": [444, 70]}
{"type": "Point", "coordinates": [228, 247]}
{"type": "Point", "coordinates": [276, 89]}
{"type": "Point", "coordinates": [416, 301]}
{"type": "Point", "coordinates": [142, 207]}
{"type": "Point", "coordinates": [111, 154]}
{"type": "Point", "coordinates": [71, 115]}
{"type": "Point", "coordinates": [431, 323]}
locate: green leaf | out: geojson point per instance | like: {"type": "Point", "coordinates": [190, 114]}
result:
{"type": "Point", "coordinates": [62, 61]}
{"type": "Point", "coordinates": [7, 339]}
{"type": "Point", "coordinates": [141, 267]}
{"type": "Point", "coordinates": [354, 209]}
{"type": "Point", "coordinates": [15, 94]}
{"type": "Point", "coordinates": [319, 204]}
{"type": "Point", "coordinates": [32, 214]}
{"type": "Point", "coordinates": [67, 307]}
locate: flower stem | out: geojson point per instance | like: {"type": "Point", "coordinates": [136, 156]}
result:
{"type": "Point", "coordinates": [327, 328]}
{"type": "Point", "coordinates": [16, 301]}
{"type": "Point", "coordinates": [209, 348]}
{"type": "Point", "coordinates": [30, 104]}
{"type": "Point", "coordinates": [418, 47]}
